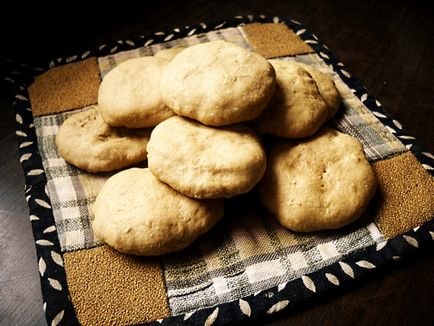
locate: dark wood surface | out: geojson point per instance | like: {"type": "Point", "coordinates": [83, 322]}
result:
{"type": "Point", "coordinates": [387, 45]}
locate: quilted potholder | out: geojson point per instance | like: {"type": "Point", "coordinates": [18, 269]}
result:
{"type": "Point", "coordinates": [248, 265]}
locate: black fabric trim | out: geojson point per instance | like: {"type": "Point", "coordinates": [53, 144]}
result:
{"type": "Point", "coordinates": [56, 299]}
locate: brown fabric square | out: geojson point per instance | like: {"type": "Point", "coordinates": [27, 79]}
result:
{"type": "Point", "coordinates": [405, 194]}
{"type": "Point", "coordinates": [274, 40]}
{"type": "Point", "coordinates": [109, 288]}
{"type": "Point", "coordinates": [63, 88]}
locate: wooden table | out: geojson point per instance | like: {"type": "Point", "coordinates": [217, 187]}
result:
{"type": "Point", "coordinates": [387, 45]}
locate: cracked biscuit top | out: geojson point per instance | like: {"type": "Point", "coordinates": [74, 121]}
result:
{"type": "Point", "coordinates": [218, 83]}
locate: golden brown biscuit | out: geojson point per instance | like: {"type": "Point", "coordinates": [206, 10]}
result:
{"type": "Point", "coordinates": [137, 214]}
{"type": "Point", "coordinates": [86, 141]}
{"type": "Point", "coordinates": [169, 54]}
{"type": "Point", "coordinates": [323, 182]}
{"type": "Point", "coordinates": [205, 162]}
{"type": "Point", "coordinates": [297, 109]}
{"type": "Point", "coordinates": [218, 83]}
{"type": "Point", "coordinates": [326, 88]}
{"type": "Point", "coordinates": [129, 94]}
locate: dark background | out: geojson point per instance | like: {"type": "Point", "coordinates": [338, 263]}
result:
{"type": "Point", "coordinates": [386, 45]}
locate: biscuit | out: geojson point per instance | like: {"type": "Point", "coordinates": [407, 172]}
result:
{"type": "Point", "coordinates": [323, 182]}
{"type": "Point", "coordinates": [137, 214]}
{"type": "Point", "coordinates": [86, 141]}
{"type": "Point", "coordinates": [205, 162]}
{"type": "Point", "coordinates": [129, 94]}
{"type": "Point", "coordinates": [168, 54]}
{"type": "Point", "coordinates": [297, 109]}
{"type": "Point", "coordinates": [326, 88]}
{"type": "Point", "coordinates": [218, 83]}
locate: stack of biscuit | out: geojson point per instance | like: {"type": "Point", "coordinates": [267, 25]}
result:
{"type": "Point", "coordinates": [205, 104]}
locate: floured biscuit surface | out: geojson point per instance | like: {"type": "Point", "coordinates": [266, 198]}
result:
{"type": "Point", "coordinates": [137, 214]}
{"type": "Point", "coordinates": [129, 94]}
{"type": "Point", "coordinates": [218, 83]}
{"type": "Point", "coordinates": [205, 162]}
{"type": "Point", "coordinates": [326, 88]}
{"type": "Point", "coordinates": [168, 54]}
{"type": "Point", "coordinates": [323, 182]}
{"type": "Point", "coordinates": [297, 109]}
{"type": "Point", "coordinates": [86, 141]}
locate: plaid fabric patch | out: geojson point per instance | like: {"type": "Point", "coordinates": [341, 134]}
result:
{"type": "Point", "coordinates": [359, 122]}
{"type": "Point", "coordinates": [355, 119]}
{"type": "Point", "coordinates": [249, 252]}
{"type": "Point", "coordinates": [233, 34]}
{"type": "Point", "coordinates": [71, 190]}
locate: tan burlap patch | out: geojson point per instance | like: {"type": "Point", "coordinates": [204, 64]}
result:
{"type": "Point", "coordinates": [109, 288]}
{"type": "Point", "coordinates": [67, 87]}
{"type": "Point", "coordinates": [274, 40]}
